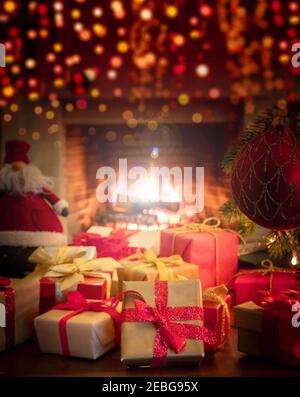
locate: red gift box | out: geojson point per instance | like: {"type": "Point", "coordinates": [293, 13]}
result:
{"type": "Point", "coordinates": [214, 251]}
{"type": "Point", "coordinates": [271, 328]}
{"type": "Point", "coordinates": [216, 306]}
{"type": "Point", "coordinates": [248, 284]}
{"type": "Point", "coordinates": [90, 288]}
{"type": "Point", "coordinates": [94, 288]}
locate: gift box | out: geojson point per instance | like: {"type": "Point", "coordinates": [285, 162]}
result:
{"type": "Point", "coordinates": [148, 267]}
{"type": "Point", "coordinates": [114, 244]}
{"type": "Point", "coordinates": [213, 249]}
{"type": "Point", "coordinates": [19, 298]}
{"type": "Point", "coordinates": [67, 268]}
{"type": "Point", "coordinates": [216, 306]}
{"type": "Point", "coordinates": [79, 328]}
{"type": "Point", "coordinates": [268, 333]}
{"type": "Point", "coordinates": [163, 323]}
{"type": "Point", "coordinates": [247, 284]}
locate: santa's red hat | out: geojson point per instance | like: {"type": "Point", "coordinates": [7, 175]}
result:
{"type": "Point", "coordinates": [16, 151]}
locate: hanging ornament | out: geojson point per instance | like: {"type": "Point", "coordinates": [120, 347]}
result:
{"type": "Point", "coordinates": [266, 171]}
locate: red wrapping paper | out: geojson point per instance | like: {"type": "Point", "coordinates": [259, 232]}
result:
{"type": "Point", "coordinates": [248, 287]}
{"type": "Point", "coordinates": [94, 288]}
{"type": "Point", "coordinates": [216, 266]}
{"type": "Point", "coordinates": [114, 246]}
{"type": "Point", "coordinates": [213, 321]}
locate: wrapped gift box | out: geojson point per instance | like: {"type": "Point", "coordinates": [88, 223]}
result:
{"type": "Point", "coordinates": [247, 285]}
{"type": "Point", "coordinates": [148, 267]}
{"type": "Point", "coordinates": [143, 342]}
{"type": "Point", "coordinates": [259, 335]}
{"type": "Point", "coordinates": [117, 243]}
{"type": "Point", "coordinates": [214, 252]}
{"type": "Point", "coordinates": [20, 298]}
{"type": "Point", "coordinates": [88, 334]}
{"type": "Point", "coordinates": [217, 317]}
{"type": "Point", "coordinates": [64, 269]}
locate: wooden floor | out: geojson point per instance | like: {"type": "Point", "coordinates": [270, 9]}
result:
{"type": "Point", "coordinates": [26, 360]}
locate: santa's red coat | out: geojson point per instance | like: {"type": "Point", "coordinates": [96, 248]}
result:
{"type": "Point", "coordinates": [29, 220]}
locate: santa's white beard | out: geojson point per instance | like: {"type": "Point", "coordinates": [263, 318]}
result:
{"type": "Point", "coordinates": [28, 179]}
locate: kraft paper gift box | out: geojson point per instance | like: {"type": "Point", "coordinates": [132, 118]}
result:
{"type": "Point", "coordinates": [259, 335]}
{"type": "Point", "coordinates": [247, 284]}
{"type": "Point", "coordinates": [88, 334]}
{"type": "Point", "coordinates": [20, 298]}
{"type": "Point", "coordinates": [64, 269]}
{"type": "Point", "coordinates": [148, 267]}
{"type": "Point", "coordinates": [217, 306]}
{"type": "Point", "coordinates": [143, 342]}
{"type": "Point", "coordinates": [214, 250]}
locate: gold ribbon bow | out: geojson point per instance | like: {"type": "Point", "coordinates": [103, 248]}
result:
{"type": "Point", "coordinates": [209, 225]}
{"type": "Point", "coordinates": [70, 268]}
{"type": "Point", "coordinates": [149, 259]}
{"type": "Point", "coordinates": [267, 269]}
{"type": "Point", "coordinates": [218, 295]}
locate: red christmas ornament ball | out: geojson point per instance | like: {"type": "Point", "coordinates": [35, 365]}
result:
{"type": "Point", "coordinates": [266, 179]}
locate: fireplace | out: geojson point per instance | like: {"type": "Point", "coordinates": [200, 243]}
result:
{"type": "Point", "coordinates": [182, 144]}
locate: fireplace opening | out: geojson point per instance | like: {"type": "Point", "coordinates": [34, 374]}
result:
{"type": "Point", "coordinates": [89, 147]}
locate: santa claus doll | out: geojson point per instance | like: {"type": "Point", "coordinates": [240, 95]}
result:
{"type": "Point", "coordinates": [28, 211]}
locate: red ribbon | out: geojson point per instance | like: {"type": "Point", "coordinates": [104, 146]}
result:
{"type": "Point", "coordinates": [169, 334]}
{"type": "Point", "coordinates": [279, 305]}
{"type": "Point", "coordinates": [9, 295]}
{"type": "Point", "coordinates": [78, 304]}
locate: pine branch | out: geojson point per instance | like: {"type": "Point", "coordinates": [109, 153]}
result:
{"type": "Point", "coordinates": [233, 215]}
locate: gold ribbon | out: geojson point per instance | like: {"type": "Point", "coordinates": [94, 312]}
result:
{"type": "Point", "coordinates": [218, 295]}
{"type": "Point", "coordinates": [149, 259]}
{"type": "Point", "coordinates": [210, 225]}
{"type": "Point", "coordinates": [70, 268]}
{"type": "Point", "coordinates": [267, 269]}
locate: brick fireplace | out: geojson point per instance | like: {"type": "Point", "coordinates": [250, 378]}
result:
{"type": "Point", "coordinates": [90, 145]}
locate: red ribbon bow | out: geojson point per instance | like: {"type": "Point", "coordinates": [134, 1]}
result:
{"type": "Point", "coordinates": [9, 295]}
{"type": "Point", "coordinates": [169, 333]}
{"type": "Point", "coordinates": [77, 303]}
{"type": "Point", "coordinates": [115, 245]}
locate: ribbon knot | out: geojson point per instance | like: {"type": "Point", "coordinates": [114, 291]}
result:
{"type": "Point", "coordinates": [78, 304]}
{"type": "Point", "coordinates": [149, 259]}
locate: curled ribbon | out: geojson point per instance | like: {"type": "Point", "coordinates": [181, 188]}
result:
{"type": "Point", "coordinates": [169, 333]}
{"type": "Point", "coordinates": [149, 259]}
{"type": "Point", "coordinates": [71, 269]}
{"type": "Point", "coordinates": [217, 295]}
{"type": "Point", "coordinates": [9, 295]}
{"type": "Point", "coordinates": [210, 225]}
{"type": "Point", "coordinates": [267, 269]}
{"type": "Point", "coordinates": [78, 304]}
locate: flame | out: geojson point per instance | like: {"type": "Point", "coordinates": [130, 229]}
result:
{"type": "Point", "coordinates": [294, 260]}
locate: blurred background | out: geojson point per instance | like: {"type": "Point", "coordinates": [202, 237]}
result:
{"type": "Point", "coordinates": [156, 82]}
